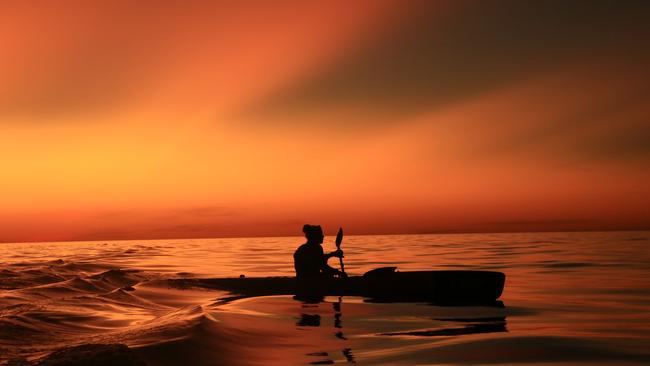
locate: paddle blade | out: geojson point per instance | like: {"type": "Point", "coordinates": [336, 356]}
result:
{"type": "Point", "coordinates": [339, 237]}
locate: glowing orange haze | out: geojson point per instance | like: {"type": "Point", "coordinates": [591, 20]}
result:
{"type": "Point", "coordinates": [156, 120]}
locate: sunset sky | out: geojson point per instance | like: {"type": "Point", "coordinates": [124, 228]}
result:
{"type": "Point", "coordinates": [184, 119]}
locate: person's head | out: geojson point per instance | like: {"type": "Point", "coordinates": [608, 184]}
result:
{"type": "Point", "coordinates": [313, 233]}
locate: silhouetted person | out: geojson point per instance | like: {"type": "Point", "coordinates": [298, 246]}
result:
{"type": "Point", "coordinates": [310, 260]}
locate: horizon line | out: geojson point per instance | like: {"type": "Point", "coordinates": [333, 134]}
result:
{"type": "Point", "coordinates": [442, 232]}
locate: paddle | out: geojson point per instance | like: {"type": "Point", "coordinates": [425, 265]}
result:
{"type": "Point", "coordinates": [339, 239]}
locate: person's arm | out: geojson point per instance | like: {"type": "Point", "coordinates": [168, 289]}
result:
{"type": "Point", "coordinates": [326, 268]}
{"type": "Point", "coordinates": [337, 253]}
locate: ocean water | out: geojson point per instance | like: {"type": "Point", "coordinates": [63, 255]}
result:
{"type": "Point", "coordinates": [569, 299]}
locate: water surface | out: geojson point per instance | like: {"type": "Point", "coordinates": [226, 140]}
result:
{"type": "Point", "coordinates": [570, 298]}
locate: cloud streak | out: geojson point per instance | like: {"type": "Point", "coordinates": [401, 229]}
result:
{"type": "Point", "coordinates": [473, 48]}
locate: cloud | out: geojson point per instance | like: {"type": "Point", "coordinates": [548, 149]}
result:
{"type": "Point", "coordinates": [630, 143]}
{"type": "Point", "coordinates": [77, 60]}
{"type": "Point", "coordinates": [432, 61]}
{"type": "Point", "coordinates": [610, 123]}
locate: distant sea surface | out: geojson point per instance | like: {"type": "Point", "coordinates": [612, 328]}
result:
{"type": "Point", "coordinates": [569, 299]}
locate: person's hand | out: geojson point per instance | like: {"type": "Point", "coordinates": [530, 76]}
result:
{"type": "Point", "coordinates": [337, 253]}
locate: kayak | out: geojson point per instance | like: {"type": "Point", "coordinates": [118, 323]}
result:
{"type": "Point", "coordinates": [382, 284]}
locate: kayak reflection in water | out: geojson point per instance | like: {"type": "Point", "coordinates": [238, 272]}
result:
{"type": "Point", "coordinates": [310, 260]}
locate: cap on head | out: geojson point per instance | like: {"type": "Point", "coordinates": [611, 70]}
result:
{"type": "Point", "coordinates": [313, 232]}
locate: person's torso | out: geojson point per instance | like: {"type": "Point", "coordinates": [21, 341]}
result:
{"type": "Point", "coordinates": [308, 260]}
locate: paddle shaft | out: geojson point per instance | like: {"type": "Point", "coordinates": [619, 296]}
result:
{"type": "Point", "coordinates": [341, 260]}
{"type": "Point", "coordinates": [339, 240]}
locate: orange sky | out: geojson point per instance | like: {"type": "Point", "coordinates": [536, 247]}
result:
{"type": "Point", "coordinates": [201, 119]}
